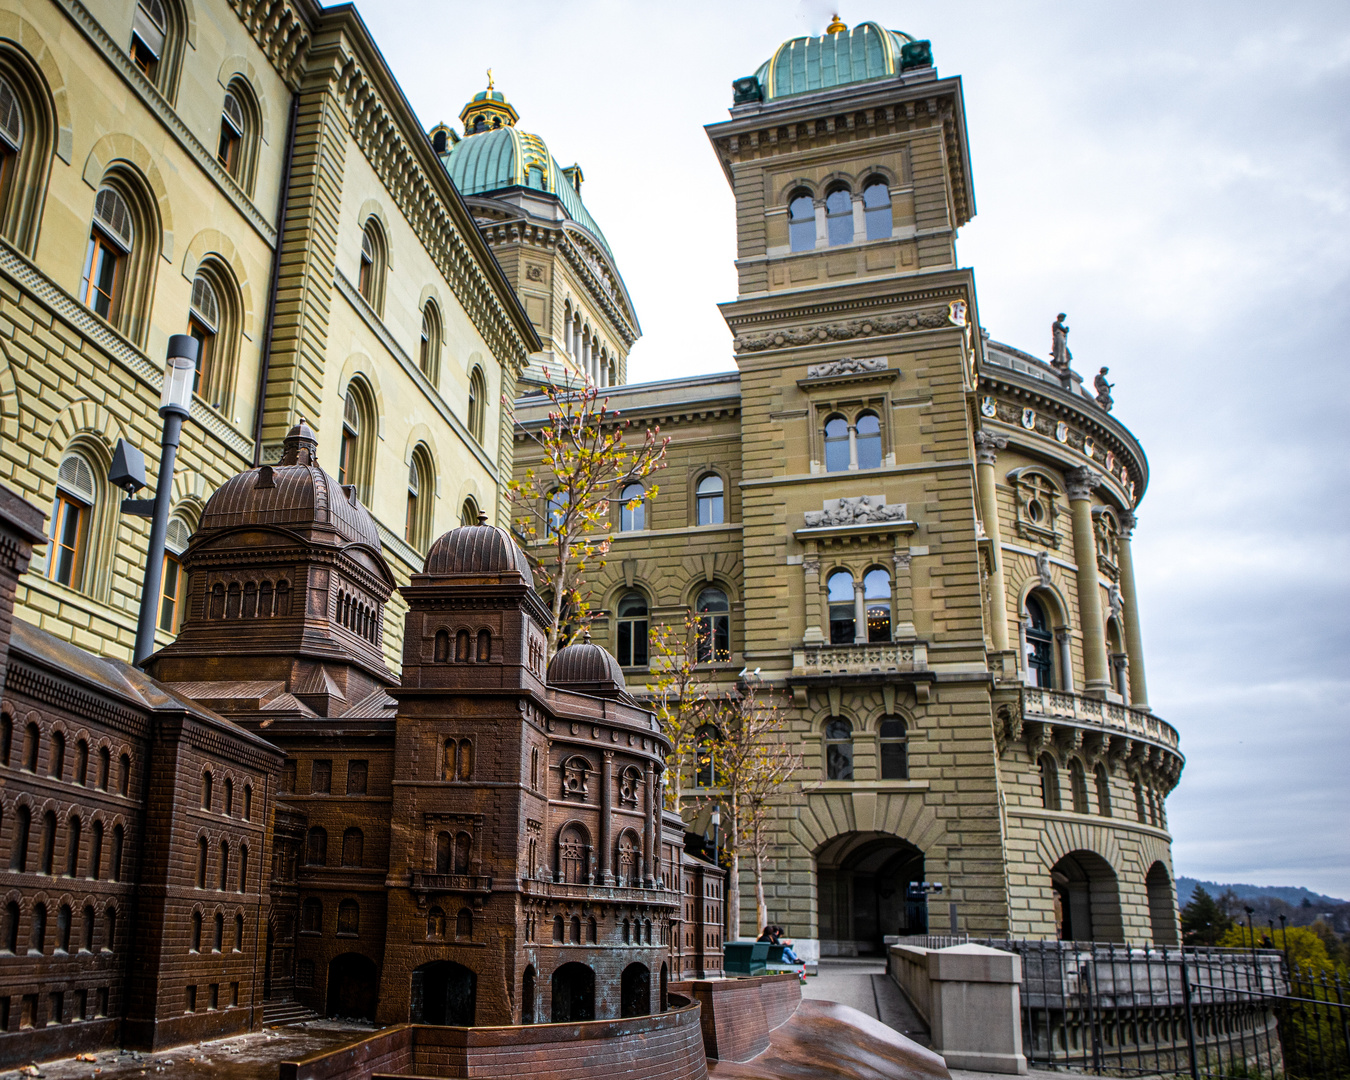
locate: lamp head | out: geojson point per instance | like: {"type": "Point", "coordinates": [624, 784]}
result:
{"type": "Point", "coordinates": [180, 373]}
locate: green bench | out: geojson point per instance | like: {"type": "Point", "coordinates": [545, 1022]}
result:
{"type": "Point", "coordinates": [747, 957]}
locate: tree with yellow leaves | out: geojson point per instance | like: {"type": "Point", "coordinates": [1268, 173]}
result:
{"type": "Point", "coordinates": [680, 694]}
{"type": "Point", "coordinates": [586, 459]}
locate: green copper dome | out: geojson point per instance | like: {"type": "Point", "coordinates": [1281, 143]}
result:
{"type": "Point", "coordinates": [809, 64]}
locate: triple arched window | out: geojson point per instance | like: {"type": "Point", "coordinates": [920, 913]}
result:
{"type": "Point", "coordinates": [852, 444]}
{"type": "Point", "coordinates": [631, 631]}
{"type": "Point", "coordinates": [846, 598]}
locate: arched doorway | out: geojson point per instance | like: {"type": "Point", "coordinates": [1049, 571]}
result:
{"type": "Point", "coordinates": [863, 895]}
{"type": "Point", "coordinates": [1087, 898]}
{"type": "Point", "coordinates": [1162, 905]}
{"type": "Point", "coordinates": [573, 994]}
{"type": "Point", "coordinates": [527, 996]}
{"type": "Point", "coordinates": [665, 988]}
{"type": "Point", "coordinates": [352, 982]}
{"type": "Point", "coordinates": [635, 991]}
{"type": "Point", "coordinates": [444, 992]}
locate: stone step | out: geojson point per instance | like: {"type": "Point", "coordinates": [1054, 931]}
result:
{"type": "Point", "coordinates": [286, 1013]}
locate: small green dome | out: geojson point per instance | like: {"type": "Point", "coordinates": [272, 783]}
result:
{"type": "Point", "coordinates": [489, 95]}
{"type": "Point", "coordinates": [806, 65]}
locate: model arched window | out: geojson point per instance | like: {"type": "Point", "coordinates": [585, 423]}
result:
{"type": "Point", "coordinates": [894, 749]}
{"type": "Point", "coordinates": [877, 208]}
{"type": "Point", "coordinates": [224, 875]}
{"type": "Point", "coordinates": [464, 925]}
{"type": "Point", "coordinates": [157, 32]}
{"type": "Point", "coordinates": [839, 749]}
{"type": "Point", "coordinates": [56, 756]}
{"type": "Point", "coordinates": [709, 496]}
{"type": "Point", "coordinates": [706, 739]}
{"type": "Point", "coordinates": [839, 216]}
{"type": "Point", "coordinates": [1078, 786]}
{"type": "Point", "coordinates": [316, 847]}
{"type": "Point", "coordinates": [1103, 790]}
{"type": "Point", "coordinates": [311, 916]}
{"type": "Point", "coordinates": [801, 221]}
{"type": "Point", "coordinates": [421, 488]}
{"type": "Point", "coordinates": [557, 510]}
{"type": "Point", "coordinates": [477, 403]}
{"type": "Point", "coordinates": [1040, 645]}
{"type": "Point", "coordinates": [1049, 782]}
{"type": "Point", "coordinates": [202, 848]}
{"type": "Point", "coordinates": [349, 918]}
{"type": "Point", "coordinates": [836, 444]}
{"type": "Point", "coordinates": [356, 457]}
{"type": "Point", "coordinates": [877, 601]}
{"type": "Point", "coordinates": [843, 608]}
{"type": "Point", "coordinates": [18, 845]}
{"type": "Point", "coordinates": [81, 760]}
{"type": "Point", "coordinates": [119, 262]}
{"type": "Point", "coordinates": [714, 627]}
{"type": "Point", "coordinates": [72, 514]}
{"type": "Point", "coordinates": [632, 630]}
{"type": "Point", "coordinates": [31, 739]}
{"type": "Point", "coordinates": [429, 350]}
{"type": "Point", "coordinates": [573, 856]}
{"type": "Point", "coordinates": [173, 582]}
{"type": "Point", "coordinates": [374, 264]}
{"type": "Point", "coordinates": [868, 429]}
{"type": "Point", "coordinates": [27, 128]}
{"type": "Point", "coordinates": [632, 510]}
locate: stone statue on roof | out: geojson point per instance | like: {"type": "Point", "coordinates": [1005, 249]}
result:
{"type": "Point", "coordinates": [1104, 398]}
{"type": "Point", "coordinates": [1060, 357]}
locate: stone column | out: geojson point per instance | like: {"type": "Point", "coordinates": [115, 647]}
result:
{"type": "Point", "coordinates": [1064, 639]}
{"type": "Point", "coordinates": [606, 817]}
{"type": "Point", "coordinates": [859, 613]}
{"type": "Point", "coordinates": [852, 446]}
{"type": "Point", "coordinates": [1080, 483]}
{"type": "Point", "coordinates": [811, 598]}
{"type": "Point", "coordinates": [902, 619]}
{"type": "Point", "coordinates": [1134, 643]}
{"type": "Point", "coordinates": [648, 833]}
{"type": "Point", "coordinates": [987, 446]}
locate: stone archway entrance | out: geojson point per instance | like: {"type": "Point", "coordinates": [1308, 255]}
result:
{"type": "Point", "coordinates": [573, 994]}
{"type": "Point", "coordinates": [862, 882]}
{"type": "Point", "coordinates": [444, 992]}
{"type": "Point", "coordinates": [635, 991]}
{"type": "Point", "coordinates": [1087, 898]}
{"type": "Point", "coordinates": [352, 984]}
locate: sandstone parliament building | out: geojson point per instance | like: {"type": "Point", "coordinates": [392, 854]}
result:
{"type": "Point", "coordinates": [921, 537]}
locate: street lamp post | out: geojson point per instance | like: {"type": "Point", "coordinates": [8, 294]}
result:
{"type": "Point", "coordinates": [180, 369]}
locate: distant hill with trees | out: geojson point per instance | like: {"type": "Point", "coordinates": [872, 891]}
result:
{"type": "Point", "coordinates": [1290, 894]}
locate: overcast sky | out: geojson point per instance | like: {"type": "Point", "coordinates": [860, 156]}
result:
{"type": "Point", "coordinates": [1174, 176]}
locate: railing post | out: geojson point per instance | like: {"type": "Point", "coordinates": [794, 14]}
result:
{"type": "Point", "coordinates": [1190, 1022]}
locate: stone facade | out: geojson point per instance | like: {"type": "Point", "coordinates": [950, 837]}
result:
{"type": "Point", "coordinates": [270, 190]}
{"type": "Point", "coordinates": [919, 537]}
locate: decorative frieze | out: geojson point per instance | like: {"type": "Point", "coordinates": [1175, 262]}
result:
{"type": "Point", "coordinates": [927, 319]}
{"type": "Point", "coordinates": [846, 366]}
{"type": "Point", "coordinates": [855, 511]}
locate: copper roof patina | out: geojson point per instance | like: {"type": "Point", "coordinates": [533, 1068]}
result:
{"type": "Point", "coordinates": [587, 667]}
{"type": "Point", "coordinates": [480, 550]}
{"type": "Point", "coordinates": [807, 64]}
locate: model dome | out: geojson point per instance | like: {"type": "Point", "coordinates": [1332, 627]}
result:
{"type": "Point", "coordinates": [480, 550]}
{"type": "Point", "coordinates": [295, 492]}
{"type": "Point", "coordinates": [586, 667]}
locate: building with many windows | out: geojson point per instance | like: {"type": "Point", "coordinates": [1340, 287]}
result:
{"type": "Point", "coordinates": [918, 537]}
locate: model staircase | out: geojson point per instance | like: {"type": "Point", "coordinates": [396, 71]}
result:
{"type": "Point", "coordinates": [286, 1013]}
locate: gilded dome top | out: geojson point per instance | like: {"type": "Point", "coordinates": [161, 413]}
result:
{"type": "Point", "coordinates": [838, 57]}
{"type": "Point", "coordinates": [480, 550]}
{"type": "Point", "coordinates": [295, 492]}
{"type": "Point", "coordinates": [587, 667]}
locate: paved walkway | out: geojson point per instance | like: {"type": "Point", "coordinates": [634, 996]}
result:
{"type": "Point", "coordinates": [864, 985]}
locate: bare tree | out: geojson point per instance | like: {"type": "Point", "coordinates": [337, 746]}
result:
{"type": "Point", "coordinates": [680, 694]}
{"type": "Point", "coordinates": [586, 460]}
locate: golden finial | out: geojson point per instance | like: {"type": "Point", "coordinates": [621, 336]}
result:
{"type": "Point", "coordinates": [836, 26]}
{"type": "Point", "coordinates": [489, 78]}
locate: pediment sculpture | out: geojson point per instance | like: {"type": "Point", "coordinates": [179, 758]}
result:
{"type": "Point", "coordinates": [846, 366]}
{"type": "Point", "coordinates": [856, 511]}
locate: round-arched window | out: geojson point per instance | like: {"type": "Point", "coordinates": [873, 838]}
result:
{"type": "Point", "coordinates": [801, 221]}
{"type": "Point", "coordinates": [877, 208]}
{"type": "Point", "coordinates": [843, 611]}
{"type": "Point", "coordinates": [710, 500]}
{"type": "Point", "coordinates": [877, 601]}
{"type": "Point", "coordinates": [839, 216]}
{"type": "Point", "coordinates": [632, 512]}
{"type": "Point", "coordinates": [1040, 645]}
{"type": "Point", "coordinates": [839, 749]}
{"type": "Point", "coordinates": [632, 630]}
{"type": "Point", "coordinates": [869, 441]}
{"type": "Point", "coordinates": [714, 627]}
{"type": "Point", "coordinates": [836, 444]}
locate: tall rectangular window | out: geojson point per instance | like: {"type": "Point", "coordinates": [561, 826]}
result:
{"type": "Point", "coordinates": [321, 777]}
{"type": "Point", "coordinates": [70, 520]}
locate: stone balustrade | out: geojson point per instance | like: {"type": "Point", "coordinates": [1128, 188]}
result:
{"type": "Point", "coordinates": [1078, 708]}
{"type": "Point", "coordinates": [871, 659]}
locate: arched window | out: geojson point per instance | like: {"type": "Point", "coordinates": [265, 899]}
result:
{"type": "Point", "coordinates": [836, 444]}
{"type": "Point", "coordinates": [868, 429]}
{"type": "Point", "coordinates": [1049, 782]}
{"type": "Point", "coordinates": [441, 647]}
{"type": "Point", "coordinates": [96, 851]}
{"type": "Point", "coordinates": [31, 740]}
{"type": "Point", "coordinates": [483, 653]}
{"type": "Point", "coordinates": [228, 808]}
{"type": "Point", "coordinates": [356, 457]}
{"type": "Point", "coordinates": [109, 928]}
{"type": "Point", "coordinates": [72, 521]}
{"type": "Point", "coordinates": [48, 851]}
{"type": "Point", "coordinates": [706, 739]}
{"type": "Point", "coordinates": [173, 582]}
{"type": "Point", "coordinates": [556, 510]}
{"type": "Point", "coordinates": [243, 868]}
{"type": "Point", "coordinates": [714, 627]}
{"type": "Point", "coordinates": [6, 737]}
{"type": "Point", "coordinates": [87, 930]}
{"type": "Point", "coordinates": [27, 126]}
{"type": "Point", "coordinates": [81, 758]}
{"type": "Point", "coordinates": [56, 756]}
{"type": "Point", "coordinates": [215, 318]}
{"type": "Point", "coordinates": [218, 938]}
{"type": "Point", "coordinates": [1078, 786]}
{"type": "Point", "coordinates": [316, 847]}
{"type": "Point", "coordinates": [801, 220]}
{"type": "Point", "coordinates": [1103, 786]}
{"type": "Point", "coordinates": [349, 918]}
{"type": "Point", "coordinates": [709, 498]}
{"type": "Point", "coordinates": [894, 749]}
{"type": "Point", "coordinates": [224, 876]}
{"type": "Point", "coordinates": [632, 510]}
{"type": "Point", "coordinates": [557, 929]}
{"type": "Point", "coordinates": [248, 802]}
{"type": "Point", "coordinates": [311, 916]}
{"type": "Point", "coordinates": [877, 208]}
{"type": "Point", "coordinates": [839, 216]}
{"type": "Point", "coordinates": [157, 32]}
{"type": "Point", "coordinates": [120, 260]}
{"type": "Point", "coordinates": [206, 791]}
{"type": "Point", "coordinates": [843, 608]}
{"type": "Point", "coordinates": [240, 126]}
{"type": "Point", "coordinates": [63, 928]}
{"type": "Point", "coordinates": [468, 513]}
{"type": "Point", "coordinates": [463, 849]}
{"type": "Point", "coordinates": [374, 265]}
{"type": "Point", "coordinates": [18, 845]}
{"type": "Point", "coordinates": [1040, 645]}
{"type": "Point", "coordinates": [461, 648]}
{"type": "Point", "coordinates": [877, 601]}
{"type": "Point", "coordinates": [353, 842]}
{"type": "Point", "coordinates": [421, 491]}
{"type": "Point", "coordinates": [632, 630]}
{"type": "Point", "coordinates": [104, 767]}
{"type": "Point", "coordinates": [445, 852]}
{"type": "Point", "coordinates": [477, 403]}
{"type": "Point", "coordinates": [9, 940]}
{"type": "Point", "coordinates": [429, 348]}
{"type": "Point", "coordinates": [573, 857]}
{"type": "Point", "coordinates": [465, 769]}
{"type": "Point", "coordinates": [839, 749]}
{"type": "Point", "coordinates": [238, 933]}
{"type": "Point", "coordinates": [196, 940]}
{"type": "Point", "coordinates": [115, 856]}
{"type": "Point", "coordinates": [464, 925]}
{"type": "Point", "coordinates": [202, 847]}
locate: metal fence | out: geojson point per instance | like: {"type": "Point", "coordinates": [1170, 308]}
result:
{"type": "Point", "coordinates": [1218, 1014]}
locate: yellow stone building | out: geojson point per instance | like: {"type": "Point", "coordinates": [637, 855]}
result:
{"type": "Point", "coordinates": [920, 536]}
{"type": "Point", "coordinates": [250, 173]}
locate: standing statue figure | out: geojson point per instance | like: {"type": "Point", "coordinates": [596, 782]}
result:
{"type": "Point", "coordinates": [1104, 398]}
{"type": "Point", "coordinates": [1059, 347]}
